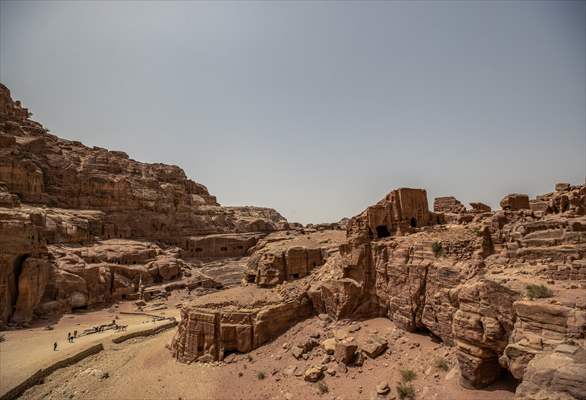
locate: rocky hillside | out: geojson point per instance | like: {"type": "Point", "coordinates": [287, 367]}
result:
{"type": "Point", "coordinates": [506, 289]}
{"type": "Point", "coordinates": [57, 191]}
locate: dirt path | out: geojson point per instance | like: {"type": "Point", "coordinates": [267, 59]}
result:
{"type": "Point", "coordinates": [144, 369]}
{"type": "Point", "coordinates": [28, 350]}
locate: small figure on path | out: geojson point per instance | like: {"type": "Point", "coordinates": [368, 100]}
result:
{"type": "Point", "coordinates": [75, 334]}
{"type": "Point", "coordinates": [69, 337]}
{"type": "Point", "coordinates": [55, 346]}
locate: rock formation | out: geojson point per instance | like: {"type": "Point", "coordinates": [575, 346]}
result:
{"type": "Point", "coordinates": [448, 204]}
{"type": "Point", "coordinates": [82, 227]}
{"type": "Point", "coordinates": [56, 192]}
{"type": "Point", "coordinates": [506, 288]}
{"type": "Point", "coordinates": [236, 320]}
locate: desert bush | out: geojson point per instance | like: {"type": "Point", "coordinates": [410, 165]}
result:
{"type": "Point", "coordinates": [442, 364]}
{"type": "Point", "coordinates": [538, 291]}
{"type": "Point", "coordinates": [408, 374]}
{"type": "Point", "coordinates": [405, 391]}
{"type": "Point", "coordinates": [260, 375]}
{"type": "Point", "coordinates": [438, 249]}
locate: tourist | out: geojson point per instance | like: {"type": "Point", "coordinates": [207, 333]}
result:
{"type": "Point", "coordinates": [75, 334]}
{"type": "Point", "coordinates": [69, 337]}
{"type": "Point", "coordinates": [55, 346]}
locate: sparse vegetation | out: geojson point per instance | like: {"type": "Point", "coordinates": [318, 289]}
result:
{"type": "Point", "coordinates": [438, 249]}
{"type": "Point", "coordinates": [408, 374]}
{"type": "Point", "coordinates": [260, 375]}
{"type": "Point", "coordinates": [538, 291]}
{"type": "Point", "coordinates": [442, 364]}
{"type": "Point", "coordinates": [405, 391]}
{"type": "Point", "coordinates": [323, 387]}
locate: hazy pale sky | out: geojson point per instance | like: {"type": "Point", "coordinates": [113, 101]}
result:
{"type": "Point", "coordinates": [314, 108]}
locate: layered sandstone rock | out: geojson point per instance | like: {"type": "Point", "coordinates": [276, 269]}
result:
{"type": "Point", "coordinates": [448, 204]}
{"type": "Point", "coordinates": [290, 255]}
{"type": "Point", "coordinates": [236, 320]}
{"type": "Point", "coordinates": [480, 207]}
{"type": "Point", "coordinates": [466, 285]}
{"type": "Point", "coordinates": [515, 202]}
{"type": "Point", "coordinates": [556, 375]}
{"type": "Point", "coordinates": [565, 199]}
{"type": "Point", "coordinates": [221, 245]}
{"type": "Point", "coordinates": [55, 191]}
{"type": "Point", "coordinates": [401, 210]}
{"type": "Point", "coordinates": [273, 267]}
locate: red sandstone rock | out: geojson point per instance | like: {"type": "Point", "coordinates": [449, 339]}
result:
{"type": "Point", "coordinates": [515, 202]}
{"type": "Point", "coordinates": [56, 191]}
{"type": "Point", "coordinates": [448, 204]}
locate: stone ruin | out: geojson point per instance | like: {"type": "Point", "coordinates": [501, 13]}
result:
{"type": "Point", "coordinates": [236, 320]}
{"type": "Point", "coordinates": [399, 212]}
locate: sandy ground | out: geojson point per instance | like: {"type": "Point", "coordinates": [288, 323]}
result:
{"type": "Point", "coordinates": [25, 351]}
{"type": "Point", "coordinates": [143, 368]}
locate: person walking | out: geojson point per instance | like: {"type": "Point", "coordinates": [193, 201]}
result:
{"type": "Point", "coordinates": [55, 346]}
{"type": "Point", "coordinates": [75, 334]}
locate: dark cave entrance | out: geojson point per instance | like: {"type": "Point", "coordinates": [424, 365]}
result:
{"type": "Point", "coordinates": [423, 330]}
{"type": "Point", "coordinates": [17, 270]}
{"type": "Point", "coordinates": [382, 231]}
{"type": "Point", "coordinates": [413, 222]}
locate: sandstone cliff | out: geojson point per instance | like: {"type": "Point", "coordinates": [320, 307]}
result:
{"type": "Point", "coordinates": [506, 289]}
{"type": "Point", "coordinates": [59, 192]}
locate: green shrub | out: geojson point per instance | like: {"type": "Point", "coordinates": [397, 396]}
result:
{"type": "Point", "coordinates": [323, 387]}
{"type": "Point", "coordinates": [438, 249]}
{"type": "Point", "coordinates": [442, 364]}
{"type": "Point", "coordinates": [538, 291]}
{"type": "Point", "coordinates": [408, 374]}
{"type": "Point", "coordinates": [260, 375]}
{"type": "Point", "coordinates": [405, 391]}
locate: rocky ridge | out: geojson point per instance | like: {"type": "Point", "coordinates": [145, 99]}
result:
{"type": "Point", "coordinates": [61, 200]}
{"type": "Point", "coordinates": [504, 288]}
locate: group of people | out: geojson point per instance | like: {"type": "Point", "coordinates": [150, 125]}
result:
{"type": "Point", "coordinates": [70, 338]}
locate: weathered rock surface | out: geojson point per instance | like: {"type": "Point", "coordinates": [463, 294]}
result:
{"type": "Point", "coordinates": [515, 202]}
{"type": "Point", "coordinates": [59, 192]}
{"type": "Point", "coordinates": [238, 319]}
{"type": "Point", "coordinates": [467, 283]}
{"type": "Point", "coordinates": [448, 204]}
{"type": "Point", "coordinates": [557, 375]}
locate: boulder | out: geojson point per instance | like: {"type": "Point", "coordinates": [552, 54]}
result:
{"type": "Point", "coordinates": [345, 351]}
{"type": "Point", "coordinates": [373, 345]}
{"type": "Point", "coordinates": [313, 374]}
{"type": "Point", "coordinates": [515, 202]}
{"type": "Point", "coordinates": [329, 345]}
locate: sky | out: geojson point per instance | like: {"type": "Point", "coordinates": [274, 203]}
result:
{"type": "Point", "coordinates": [317, 109]}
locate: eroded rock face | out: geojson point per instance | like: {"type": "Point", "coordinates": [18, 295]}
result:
{"type": "Point", "coordinates": [235, 320]}
{"type": "Point", "coordinates": [270, 268]}
{"type": "Point", "coordinates": [467, 284]}
{"type": "Point", "coordinates": [448, 204]}
{"type": "Point", "coordinates": [401, 210]}
{"type": "Point", "coordinates": [480, 207]}
{"type": "Point", "coordinates": [515, 202]}
{"type": "Point", "coordinates": [221, 245]}
{"type": "Point", "coordinates": [55, 191]}
{"type": "Point", "coordinates": [539, 328]}
{"type": "Point", "coordinates": [557, 375]}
